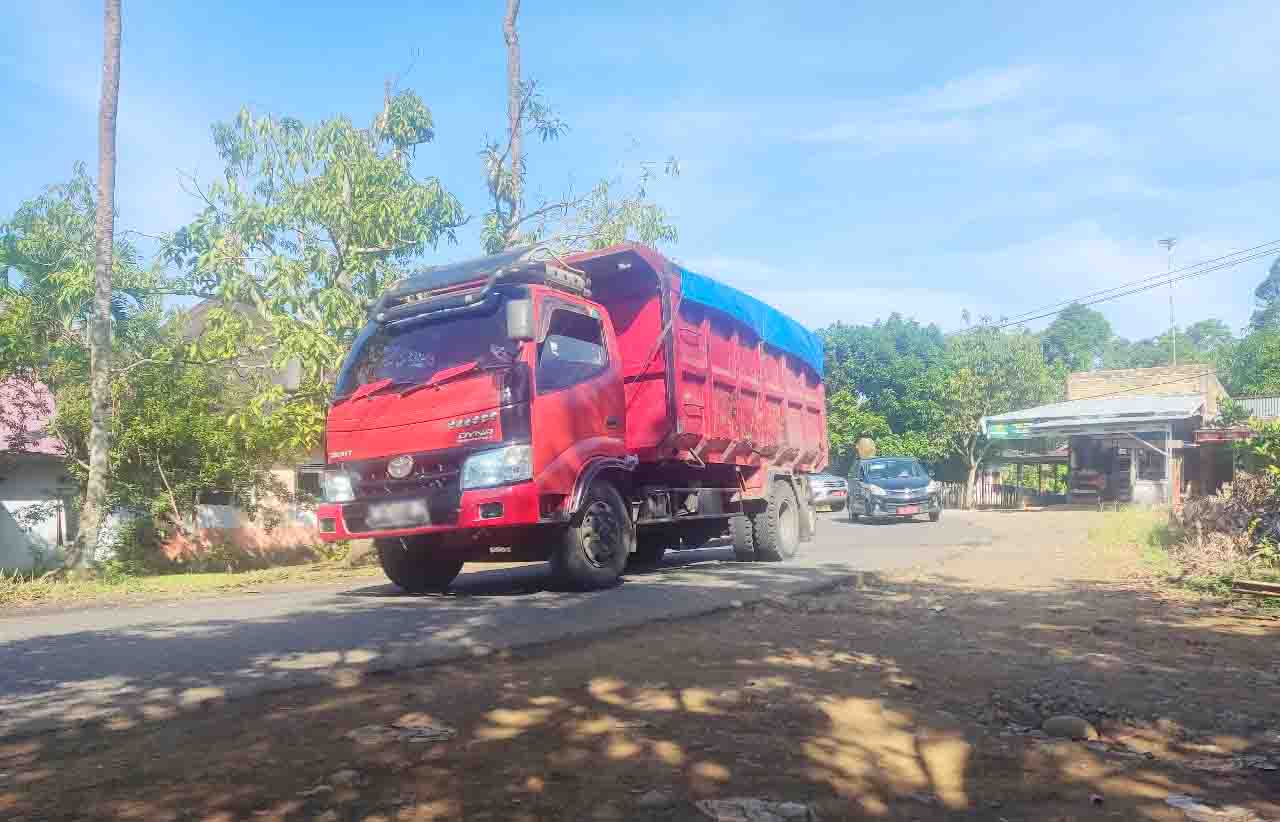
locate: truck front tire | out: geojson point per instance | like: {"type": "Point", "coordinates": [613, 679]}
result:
{"type": "Point", "coordinates": [777, 527]}
{"type": "Point", "coordinates": [593, 550]}
{"type": "Point", "coordinates": [409, 563]}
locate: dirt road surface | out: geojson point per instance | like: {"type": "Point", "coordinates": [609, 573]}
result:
{"type": "Point", "coordinates": [58, 666]}
{"type": "Point", "coordinates": [912, 694]}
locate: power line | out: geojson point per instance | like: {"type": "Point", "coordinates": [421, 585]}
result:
{"type": "Point", "coordinates": [1144, 286]}
{"type": "Point", "coordinates": [1265, 249]}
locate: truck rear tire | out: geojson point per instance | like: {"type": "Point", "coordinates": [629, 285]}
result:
{"type": "Point", "coordinates": [743, 535]}
{"type": "Point", "coordinates": [594, 549]}
{"type": "Point", "coordinates": [409, 564]}
{"type": "Point", "coordinates": [777, 528]}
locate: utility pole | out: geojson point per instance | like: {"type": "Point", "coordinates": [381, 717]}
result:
{"type": "Point", "coordinates": [1169, 243]}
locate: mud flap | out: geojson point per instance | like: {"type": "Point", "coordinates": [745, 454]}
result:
{"type": "Point", "coordinates": [808, 514]}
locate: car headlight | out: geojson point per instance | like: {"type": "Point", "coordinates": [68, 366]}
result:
{"type": "Point", "coordinates": [934, 486]}
{"type": "Point", "coordinates": [498, 467]}
{"type": "Point", "coordinates": [873, 490]}
{"type": "Point", "coordinates": [339, 486]}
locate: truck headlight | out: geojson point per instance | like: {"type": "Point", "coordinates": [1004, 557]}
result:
{"type": "Point", "coordinates": [339, 486]}
{"type": "Point", "coordinates": [873, 490]}
{"type": "Point", "coordinates": [498, 467]}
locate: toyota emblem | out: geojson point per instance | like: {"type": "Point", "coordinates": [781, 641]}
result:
{"type": "Point", "coordinates": [400, 467]}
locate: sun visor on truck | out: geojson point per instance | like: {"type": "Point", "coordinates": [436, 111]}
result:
{"type": "Point", "coordinates": [772, 326]}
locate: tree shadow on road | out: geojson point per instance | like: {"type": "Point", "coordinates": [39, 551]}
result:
{"type": "Point", "coordinates": [887, 700]}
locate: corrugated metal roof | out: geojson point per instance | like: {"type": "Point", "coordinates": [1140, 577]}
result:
{"type": "Point", "coordinates": [1133, 408]}
{"type": "Point", "coordinates": [1263, 408]}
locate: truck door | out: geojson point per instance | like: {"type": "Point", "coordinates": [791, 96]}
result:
{"type": "Point", "coordinates": [578, 410]}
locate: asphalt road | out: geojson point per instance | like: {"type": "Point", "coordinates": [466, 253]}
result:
{"type": "Point", "coordinates": [150, 660]}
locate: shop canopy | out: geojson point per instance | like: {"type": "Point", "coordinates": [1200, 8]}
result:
{"type": "Point", "coordinates": [1104, 415]}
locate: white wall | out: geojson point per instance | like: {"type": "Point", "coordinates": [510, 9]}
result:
{"type": "Point", "coordinates": [29, 482]}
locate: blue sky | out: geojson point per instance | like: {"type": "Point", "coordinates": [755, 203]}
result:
{"type": "Point", "coordinates": [841, 160]}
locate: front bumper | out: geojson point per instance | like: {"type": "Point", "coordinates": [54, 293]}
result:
{"type": "Point", "coordinates": [893, 506]}
{"type": "Point", "coordinates": [831, 498]}
{"type": "Point", "coordinates": [482, 508]}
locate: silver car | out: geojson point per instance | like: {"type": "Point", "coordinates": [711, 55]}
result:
{"type": "Point", "coordinates": [829, 491]}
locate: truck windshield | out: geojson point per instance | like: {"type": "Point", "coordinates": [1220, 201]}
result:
{"type": "Point", "coordinates": [412, 353]}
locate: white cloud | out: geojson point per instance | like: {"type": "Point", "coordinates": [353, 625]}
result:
{"type": "Point", "coordinates": [1068, 263]}
{"type": "Point", "coordinates": [897, 132]}
{"type": "Point", "coordinates": [979, 90]}
{"type": "Point", "coordinates": [820, 298]}
{"type": "Point", "coordinates": [995, 112]}
{"type": "Point", "coordinates": [157, 135]}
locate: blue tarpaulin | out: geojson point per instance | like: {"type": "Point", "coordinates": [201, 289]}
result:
{"type": "Point", "coordinates": [774, 327]}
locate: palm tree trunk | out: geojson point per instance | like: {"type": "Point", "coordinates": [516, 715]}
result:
{"type": "Point", "coordinates": [515, 112]}
{"type": "Point", "coordinates": [100, 322]}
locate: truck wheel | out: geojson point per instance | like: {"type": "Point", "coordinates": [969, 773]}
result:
{"type": "Point", "coordinates": [744, 541]}
{"type": "Point", "coordinates": [651, 544]}
{"type": "Point", "coordinates": [409, 564]}
{"type": "Point", "coordinates": [777, 528]}
{"type": "Point", "coordinates": [594, 548]}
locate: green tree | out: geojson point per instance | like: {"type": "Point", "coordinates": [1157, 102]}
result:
{"type": "Point", "coordinates": [1267, 296]}
{"type": "Point", "coordinates": [1206, 338]}
{"type": "Point", "coordinates": [1254, 367]}
{"type": "Point", "coordinates": [1207, 341]}
{"type": "Point", "coordinates": [890, 365]}
{"type": "Point", "coordinates": [848, 419]}
{"type": "Point", "coordinates": [50, 245]}
{"type": "Point", "coordinates": [989, 371]}
{"type": "Point", "coordinates": [1078, 338]}
{"type": "Point", "coordinates": [309, 223]}
{"type": "Point", "coordinates": [170, 442]}
{"type": "Point", "coordinates": [612, 211]}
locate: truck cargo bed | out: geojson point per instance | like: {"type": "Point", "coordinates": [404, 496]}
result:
{"type": "Point", "coordinates": [710, 373]}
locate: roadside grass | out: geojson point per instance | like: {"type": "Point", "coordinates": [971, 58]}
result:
{"type": "Point", "coordinates": [18, 589]}
{"type": "Point", "coordinates": [1148, 535]}
{"type": "Point", "coordinates": [1139, 533]}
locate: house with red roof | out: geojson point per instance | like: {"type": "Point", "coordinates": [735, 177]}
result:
{"type": "Point", "coordinates": [36, 492]}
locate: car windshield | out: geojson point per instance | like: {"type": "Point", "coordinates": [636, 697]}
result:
{"type": "Point", "coordinates": [892, 469]}
{"type": "Point", "coordinates": [414, 352]}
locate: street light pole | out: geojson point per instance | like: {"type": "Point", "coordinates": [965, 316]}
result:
{"type": "Point", "coordinates": [1169, 243]}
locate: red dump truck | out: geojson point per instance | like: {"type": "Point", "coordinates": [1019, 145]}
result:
{"type": "Point", "coordinates": [591, 410]}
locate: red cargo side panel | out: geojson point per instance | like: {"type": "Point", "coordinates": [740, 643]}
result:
{"type": "Point", "coordinates": [691, 375]}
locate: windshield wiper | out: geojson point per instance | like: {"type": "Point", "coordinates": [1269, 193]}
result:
{"type": "Point", "coordinates": [365, 390]}
{"type": "Point", "coordinates": [409, 386]}
{"type": "Point", "coordinates": [448, 374]}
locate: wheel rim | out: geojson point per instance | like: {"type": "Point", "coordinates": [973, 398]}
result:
{"type": "Point", "coordinates": [788, 526]}
{"type": "Point", "coordinates": [601, 534]}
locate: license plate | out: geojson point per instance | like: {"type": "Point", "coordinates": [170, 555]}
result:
{"type": "Point", "coordinates": [907, 510]}
{"type": "Point", "coordinates": [399, 514]}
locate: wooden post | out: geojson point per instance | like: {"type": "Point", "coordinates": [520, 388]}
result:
{"type": "Point", "coordinates": [1040, 471]}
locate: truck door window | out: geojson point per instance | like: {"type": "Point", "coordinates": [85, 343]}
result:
{"type": "Point", "coordinates": [572, 352]}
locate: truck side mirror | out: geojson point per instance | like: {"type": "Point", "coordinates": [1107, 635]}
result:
{"type": "Point", "coordinates": [291, 376]}
{"type": "Point", "coordinates": [520, 326]}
